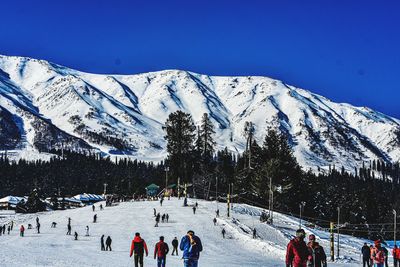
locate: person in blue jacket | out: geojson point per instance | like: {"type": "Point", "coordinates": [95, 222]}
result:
{"type": "Point", "coordinates": [191, 247]}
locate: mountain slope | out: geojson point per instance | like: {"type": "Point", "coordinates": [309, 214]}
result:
{"type": "Point", "coordinates": [124, 114]}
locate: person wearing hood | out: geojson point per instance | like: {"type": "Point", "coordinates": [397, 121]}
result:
{"type": "Point", "coordinates": [378, 254]}
{"type": "Point", "coordinates": [318, 256]}
{"type": "Point", "coordinates": [138, 247]}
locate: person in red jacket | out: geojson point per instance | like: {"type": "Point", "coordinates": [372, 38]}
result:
{"type": "Point", "coordinates": [297, 252]}
{"type": "Point", "coordinates": [161, 250]}
{"type": "Point", "coordinates": [138, 247]}
{"type": "Point", "coordinates": [378, 255]}
{"type": "Point", "coordinates": [21, 230]}
{"type": "Point", "coordinates": [396, 256]}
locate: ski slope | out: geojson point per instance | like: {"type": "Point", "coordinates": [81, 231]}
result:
{"type": "Point", "coordinates": [52, 247]}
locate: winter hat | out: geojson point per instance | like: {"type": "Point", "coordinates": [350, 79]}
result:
{"type": "Point", "coordinates": [377, 242]}
{"type": "Point", "coordinates": [300, 233]}
{"type": "Point", "coordinates": [311, 237]}
{"type": "Point", "coordinates": [190, 232]}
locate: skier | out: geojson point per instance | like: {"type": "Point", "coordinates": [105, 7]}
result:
{"type": "Point", "coordinates": [297, 251]}
{"type": "Point", "coordinates": [157, 220]}
{"type": "Point", "coordinates": [53, 225]}
{"type": "Point", "coordinates": [87, 230]}
{"type": "Point", "coordinates": [8, 229]}
{"type": "Point", "coordinates": [69, 229]}
{"type": "Point", "coordinates": [161, 201]}
{"type": "Point", "coordinates": [76, 236]}
{"type": "Point", "coordinates": [167, 217]}
{"type": "Point", "coordinates": [396, 256]}
{"type": "Point", "coordinates": [223, 232]}
{"type": "Point", "coordinates": [161, 250]}
{"type": "Point", "coordinates": [215, 221]}
{"type": "Point", "coordinates": [95, 218]}
{"type": "Point", "coordinates": [101, 206]}
{"type": "Point", "coordinates": [21, 230]}
{"type": "Point", "coordinates": [138, 247]}
{"type": "Point", "coordinates": [378, 254]}
{"type": "Point", "coordinates": [197, 205]}
{"type": "Point", "coordinates": [217, 213]}
{"type": "Point", "coordinates": [108, 243]}
{"type": "Point", "coordinates": [175, 246]}
{"type": "Point", "coordinates": [254, 233]}
{"type": "Point", "coordinates": [102, 243]}
{"type": "Point", "coordinates": [38, 228]}
{"type": "Point", "coordinates": [194, 210]}
{"type": "Point", "coordinates": [318, 256]}
{"type": "Point", "coordinates": [155, 212]}
{"type": "Point", "coordinates": [163, 218]}
{"type": "Point", "coordinates": [366, 255]}
{"type": "Point", "coordinates": [191, 247]}
{"type": "Point", "coordinates": [93, 207]}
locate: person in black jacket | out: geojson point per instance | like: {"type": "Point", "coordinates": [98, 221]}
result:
{"type": "Point", "coordinates": [317, 252]}
{"type": "Point", "coordinates": [366, 255]}
{"type": "Point", "coordinates": [108, 243]}
{"type": "Point", "coordinates": [103, 248]}
{"type": "Point", "coordinates": [175, 244]}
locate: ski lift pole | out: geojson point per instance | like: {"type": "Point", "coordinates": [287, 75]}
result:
{"type": "Point", "coordinates": [332, 239]}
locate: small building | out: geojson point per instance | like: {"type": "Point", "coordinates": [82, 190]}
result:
{"type": "Point", "coordinates": [152, 190]}
{"type": "Point", "coordinates": [10, 202]}
{"type": "Point", "coordinates": [88, 199]}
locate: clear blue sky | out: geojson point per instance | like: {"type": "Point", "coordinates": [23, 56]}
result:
{"type": "Point", "coordinates": [348, 51]}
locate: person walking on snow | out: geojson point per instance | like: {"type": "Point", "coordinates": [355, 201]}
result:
{"type": "Point", "coordinates": [38, 228]}
{"type": "Point", "coordinates": [103, 248]}
{"type": "Point", "coordinates": [155, 212]}
{"type": "Point", "coordinates": [157, 220]}
{"type": "Point", "coordinates": [161, 250]}
{"type": "Point", "coordinates": [297, 252]}
{"type": "Point", "coordinates": [254, 233]}
{"type": "Point", "coordinates": [386, 256]}
{"type": "Point", "coordinates": [215, 221]}
{"type": "Point", "coordinates": [167, 217]}
{"type": "Point", "coordinates": [93, 208]}
{"type": "Point", "coordinates": [108, 243]}
{"type": "Point", "coordinates": [95, 218]}
{"type": "Point", "coordinates": [378, 254]}
{"type": "Point", "coordinates": [194, 209]}
{"type": "Point", "coordinates": [366, 255]}
{"type": "Point", "coordinates": [191, 247]}
{"type": "Point", "coordinates": [175, 246]}
{"type": "Point", "coordinates": [76, 236]}
{"type": "Point", "coordinates": [21, 231]}
{"type": "Point", "coordinates": [87, 230]}
{"type": "Point", "coordinates": [69, 229]}
{"type": "Point", "coordinates": [223, 232]}
{"type": "Point", "coordinates": [318, 256]}
{"type": "Point", "coordinates": [396, 256]}
{"type": "Point", "coordinates": [138, 247]}
{"type": "Point", "coordinates": [8, 230]}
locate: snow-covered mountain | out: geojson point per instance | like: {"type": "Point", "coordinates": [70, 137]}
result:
{"type": "Point", "coordinates": [44, 106]}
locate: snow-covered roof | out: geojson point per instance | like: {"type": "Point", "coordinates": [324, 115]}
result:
{"type": "Point", "coordinates": [12, 199]}
{"type": "Point", "coordinates": [88, 197]}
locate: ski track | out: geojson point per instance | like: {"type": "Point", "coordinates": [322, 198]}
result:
{"type": "Point", "coordinates": [54, 248]}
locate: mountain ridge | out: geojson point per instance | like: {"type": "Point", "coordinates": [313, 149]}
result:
{"type": "Point", "coordinates": [123, 115]}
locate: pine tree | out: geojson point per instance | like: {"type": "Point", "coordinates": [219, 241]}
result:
{"type": "Point", "coordinates": [180, 135]}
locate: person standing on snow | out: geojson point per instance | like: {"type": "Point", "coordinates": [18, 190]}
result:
{"type": "Point", "coordinates": [8, 230]}
{"type": "Point", "coordinates": [215, 221]}
{"type": "Point", "coordinates": [95, 218]}
{"type": "Point", "coordinates": [108, 243]}
{"type": "Point", "coordinates": [155, 212]}
{"type": "Point", "coordinates": [191, 247]}
{"type": "Point", "coordinates": [386, 256]}
{"type": "Point", "coordinates": [138, 247]}
{"type": "Point", "coordinates": [297, 252]}
{"type": "Point", "coordinates": [194, 209]}
{"type": "Point", "coordinates": [318, 256]}
{"type": "Point", "coordinates": [93, 207]}
{"type": "Point", "coordinates": [396, 256]}
{"type": "Point", "coordinates": [21, 231]}
{"type": "Point", "coordinates": [378, 254]}
{"type": "Point", "coordinates": [366, 255]}
{"type": "Point", "coordinates": [161, 250]}
{"type": "Point", "coordinates": [157, 220]}
{"type": "Point", "coordinates": [69, 229]}
{"type": "Point", "coordinates": [76, 236]}
{"type": "Point", "coordinates": [167, 217]}
{"type": "Point", "coordinates": [175, 246]}
{"type": "Point", "coordinates": [254, 233]}
{"type": "Point", "coordinates": [38, 228]}
{"type": "Point", "coordinates": [87, 230]}
{"type": "Point", "coordinates": [223, 232]}
{"type": "Point", "coordinates": [103, 248]}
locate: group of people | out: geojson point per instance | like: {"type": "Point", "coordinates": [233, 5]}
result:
{"type": "Point", "coordinates": [300, 254]}
{"type": "Point", "coordinates": [377, 255]}
{"type": "Point", "coordinates": [190, 245]}
{"type": "Point", "coordinates": [5, 227]}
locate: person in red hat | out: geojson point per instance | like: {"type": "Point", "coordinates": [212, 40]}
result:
{"type": "Point", "coordinates": [318, 256]}
{"type": "Point", "coordinates": [297, 252]}
{"type": "Point", "coordinates": [378, 254]}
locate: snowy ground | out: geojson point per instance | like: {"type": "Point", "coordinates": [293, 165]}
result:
{"type": "Point", "coordinates": [53, 248]}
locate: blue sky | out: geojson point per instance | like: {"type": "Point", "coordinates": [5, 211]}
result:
{"type": "Point", "coordinates": [348, 51]}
